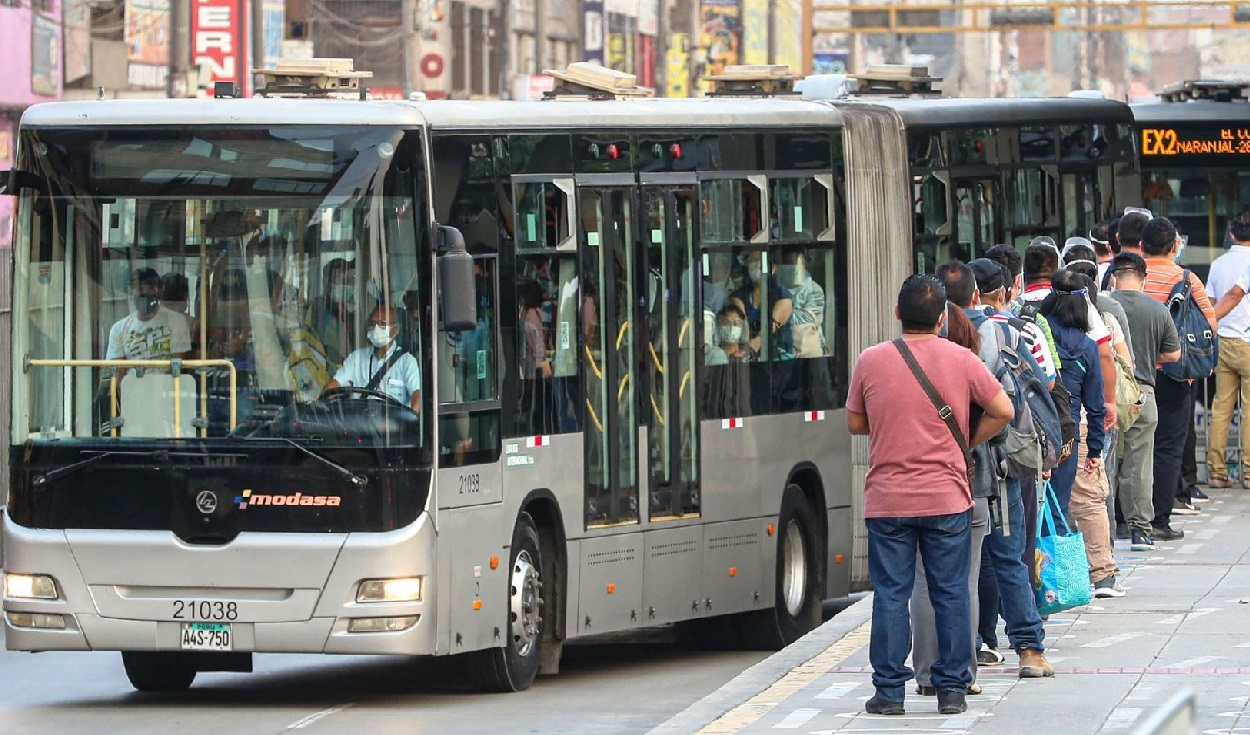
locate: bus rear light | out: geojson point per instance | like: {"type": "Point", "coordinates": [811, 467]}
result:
{"type": "Point", "coordinates": [403, 589]}
{"type": "Point", "coordinates": [36, 620]}
{"type": "Point", "coordinates": [29, 587]}
{"type": "Point", "coordinates": [382, 625]}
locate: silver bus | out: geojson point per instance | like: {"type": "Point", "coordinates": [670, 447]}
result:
{"type": "Point", "coordinates": [631, 327]}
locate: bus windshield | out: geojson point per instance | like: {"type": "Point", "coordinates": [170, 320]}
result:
{"type": "Point", "coordinates": [249, 283]}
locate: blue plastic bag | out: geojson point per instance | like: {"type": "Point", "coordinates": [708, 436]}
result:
{"type": "Point", "coordinates": [1062, 579]}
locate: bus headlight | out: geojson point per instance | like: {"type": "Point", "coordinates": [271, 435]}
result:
{"type": "Point", "coordinates": [403, 589]}
{"type": "Point", "coordinates": [29, 586]}
{"type": "Point", "coordinates": [36, 620]}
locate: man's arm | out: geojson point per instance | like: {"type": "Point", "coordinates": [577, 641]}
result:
{"type": "Point", "coordinates": [997, 413]}
{"type": "Point", "coordinates": [1229, 301]}
{"type": "Point", "coordinates": [856, 422]}
{"type": "Point", "coordinates": [1173, 356]}
{"type": "Point", "coordinates": [1107, 361]}
{"type": "Point", "coordinates": [416, 400]}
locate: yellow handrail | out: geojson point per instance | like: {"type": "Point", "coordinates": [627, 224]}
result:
{"type": "Point", "coordinates": [113, 382]}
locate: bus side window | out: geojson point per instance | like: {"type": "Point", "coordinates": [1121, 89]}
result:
{"type": "Point", "coordinates": [468, 366]}
{"type": "Point", "coordinates": [547, 344]}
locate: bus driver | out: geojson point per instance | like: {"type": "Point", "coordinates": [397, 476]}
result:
{"type": "Point", "coordinates": [385, 366]}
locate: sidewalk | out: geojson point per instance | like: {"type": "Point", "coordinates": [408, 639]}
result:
{"type": "Point", "coordinates": [1185, 623]}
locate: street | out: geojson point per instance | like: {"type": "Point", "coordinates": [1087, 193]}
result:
{"type": "Point", "coordinates": [626, 685]}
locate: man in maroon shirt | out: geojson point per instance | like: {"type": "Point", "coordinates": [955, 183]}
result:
{"type": "Point", "coordinates": [916, 495]}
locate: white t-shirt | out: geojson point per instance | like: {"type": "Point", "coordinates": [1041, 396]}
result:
{"type": "Point", "coordinates": [165, 334]}
{"type": "Point", "coordinates": [400, 382]}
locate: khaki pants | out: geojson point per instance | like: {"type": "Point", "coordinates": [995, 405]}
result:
{"type": "Point", "coordinates": [1232, 375]}
{"type": "Point", "coordinates": [1088, 509]}
{"type": "Point", "coordinates": [1137, 448]}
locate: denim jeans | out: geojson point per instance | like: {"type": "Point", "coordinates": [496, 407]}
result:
{"type": "Point", "coordinates": [987, 599]}
{"type": "Point", "coordinates": [945, 544]}
{"type": "Point", "coordinates": [1005, 552]}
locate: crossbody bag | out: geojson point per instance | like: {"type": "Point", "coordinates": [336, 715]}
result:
{"type": "Point", "coordinates": [944, 410]}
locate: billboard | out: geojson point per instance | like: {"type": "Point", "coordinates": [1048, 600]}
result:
{"type": "Point", "coordinates": [593, 31]}
{"type": "Point", "coordinates": [45, 56]}
{"type": "Point", "coordinates": [755, 29]}
{"type": "Point", "coordinates": [720, 34]}
{"type": "Point", "coordinates": [219, 40]}
{"type": "Point", "coordinates": [147, 31]}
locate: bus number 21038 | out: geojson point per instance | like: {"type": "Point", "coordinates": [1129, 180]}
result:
{"type": "Point", "coordinates": [470, 484]}
{"type": "Point", "coordinates": [205, 610]}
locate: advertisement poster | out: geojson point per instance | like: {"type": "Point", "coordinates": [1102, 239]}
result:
{"type": "Point", "coordinates": [593, 31]}
{"type": "Point", "coordinates": [274, 12]}
{"type": "Point", "coordinates": [755, 31]}
{"type": "Point", "coordinates": [218, 33]}
{"type": "Point", "coordinates": [720, 34]}
{"type": "Point", "coordinates": [677, 66]}
{"type": "Point", "coordinates": [77, 40]}
{"type": "Point", "coordinates": [788, 27]}
{"type": "Point", "coordinates": [620, 42]}
{"type": "Point", "coordinates": [831, 62]}
{"type": "Point", "coordinates": [45, 56]}
{"type": "Point", "coordinates": [147, 31]}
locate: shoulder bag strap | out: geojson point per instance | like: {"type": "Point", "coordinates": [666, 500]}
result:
{"type": "Point", "coordinates": [943, 409]}
{"type": "Point", "coordinates": [376, 380]}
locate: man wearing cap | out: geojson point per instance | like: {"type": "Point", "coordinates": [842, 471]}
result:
{"type": "Point", "coordinates": [1005, 547]}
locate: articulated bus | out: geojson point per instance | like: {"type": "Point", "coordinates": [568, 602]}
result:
{"type": "Point", "coordinates": [632, 324]}
{"type": "Point", "coordinates": [1195, 148]}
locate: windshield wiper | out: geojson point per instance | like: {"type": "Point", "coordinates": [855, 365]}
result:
{"type": "Point", "coordinates": [352, 477]}
{"type": "Point", "coordinates": [160, 455]}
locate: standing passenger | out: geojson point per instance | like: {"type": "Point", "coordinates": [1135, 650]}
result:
{"type": "Point", "coordinates": [1231, 273]}
{"type": "Point", "coordinates": [916, 494]}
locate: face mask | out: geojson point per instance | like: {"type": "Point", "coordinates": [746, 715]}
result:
{"type": "Point", "coordinates": [343, 294]}
{"type": "Point", "coordinates": [145, 304]}
{"type": "Point", "coordinates": [379, 336]}
{"type": "Point", "coordinates": [730, 334]}
{"type": "Point", "coordinates": [790, 276]}
{"type": "Point", "coordinates": [1179, 249]}
{"type": "Point", "coordinates": [755, 272]}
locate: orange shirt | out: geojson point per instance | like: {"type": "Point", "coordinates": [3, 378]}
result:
{"type": "Point", "coordinates": [1162, 274]}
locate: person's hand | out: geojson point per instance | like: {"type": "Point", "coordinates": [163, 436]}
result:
{"type": "Point", "coordinates": [545, 369]}
{"type": "Point", "coordinates": [1108, 421]}
{"type": "Point", "coordinates": [1092, 465]}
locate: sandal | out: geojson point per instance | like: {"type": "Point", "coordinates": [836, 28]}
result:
{"type": "Point", "coordinates": [928, 691]}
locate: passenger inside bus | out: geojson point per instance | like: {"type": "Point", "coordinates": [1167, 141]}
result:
{"type": "Point", "coordinates": [807, 320]}
{"type": "Point", "coordinates": [332, 315]}
{"type": "Point", "coordinates": [150, 331]}
{"type": "Point", "coordinates": [751, 296]}
{"type": "Point", "coordinates": [384, 366]}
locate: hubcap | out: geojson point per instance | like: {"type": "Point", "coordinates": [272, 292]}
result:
{"type": "Point", "coordinates": [526, 603]}
{"type": "Point", "coordinates": [794, 569]}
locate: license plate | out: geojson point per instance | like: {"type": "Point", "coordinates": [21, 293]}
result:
{"type": "Point", "coordinates": [206, 637]}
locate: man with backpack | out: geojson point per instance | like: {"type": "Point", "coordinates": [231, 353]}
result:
{"type": "Point", "coordinates": [1173, 396]}
{"type": "Point", "coordinates": [1005, 545]}
{"type": "Point", "coordinates": [1154, 341]}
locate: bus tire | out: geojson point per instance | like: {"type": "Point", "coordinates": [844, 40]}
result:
{"type": "Point", "coordinates": [151, 671]}
{"type": "Point", "coordinates": [513, 667]}
{"type": "Point", "coordinates": [797, 598]}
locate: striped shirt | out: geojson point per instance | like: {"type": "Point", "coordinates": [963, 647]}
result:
{"type": "Point", "coordinates": [1034, 339]}
{"type": "Point", "coordinates": [1162, 274]}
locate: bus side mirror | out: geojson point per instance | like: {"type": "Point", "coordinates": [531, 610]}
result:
{"type": "Point", "coordinates": [457, 288]}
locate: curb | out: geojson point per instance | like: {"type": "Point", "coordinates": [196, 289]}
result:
{"type": "Point", "coordinates": [764, 674]}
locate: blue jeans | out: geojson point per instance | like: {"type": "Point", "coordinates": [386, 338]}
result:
{"type": "Point", "coordinates": [1064, 475]}
{"type": "Point", "coordinates": [1016, 599]}
{"type": "Point", "coordinates": [945, 545]}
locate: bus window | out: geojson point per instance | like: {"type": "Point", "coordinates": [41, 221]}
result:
{"type": "Point", "coordinates": [468, 378]}
{"type": "Point", "coordinates": [547, 339]}
{"type": "Point", "coordinates": [802, 380]}
{"type": "Point", "coordinates": [801, 209]}
{"type": "Point", "coordinates": [544, 215]}
{"type": "Point", "coordinates": [734, 210]}
{"type": "Point", "coordinates": [1037, 145]}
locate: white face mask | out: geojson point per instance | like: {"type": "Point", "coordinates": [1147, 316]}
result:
{"type": "Point", "coordinates": [730, 334]}
{"type": "Point", "coordinates": [379, 336]}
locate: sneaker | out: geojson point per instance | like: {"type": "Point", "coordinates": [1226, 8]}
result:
{"type": "Point", "coordinates": [1108, 587]}
{"type": "Point", "coordinates": [1184, 508]}
{"type": "Point", "coordinates": [988, 656]}
{"type": "Point", "coordinates": [1033, 664]}
{"type": "Point", "coordinates": [1141, 541]}
{"type": "Point", "coordinates": [1122, 531]}
{"type": "Point", "coordinates": [1196, 495]}
{"type": "Point", "coordinates": [879, 706]}
{"type": "Point", "coordinates": [951, 702]}
{"type": "Point", "coordinates": [1217, 482]}
{"type": "Point", "coordinates": [1167, 533]}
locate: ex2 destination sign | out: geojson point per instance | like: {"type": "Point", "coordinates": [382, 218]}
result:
{"type": "Point", "coordinates": [1173, 143]}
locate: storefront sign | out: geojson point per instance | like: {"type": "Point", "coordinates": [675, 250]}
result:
{"type": "Point", "coordinates": [218, 40]}
{"type": "Point", "coordinates": [593, 31]}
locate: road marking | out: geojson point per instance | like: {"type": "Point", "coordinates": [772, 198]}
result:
{"type": "Point", "coordinates": [796, 719]}
{"type": "Point", "coordinates": [1183, 617]}
{"type": "Point", "coordinates": [1206, 534]}
{"type": "Point", "coordinates": [1190, 548]}
{"type": "Point", "coordinates": [1221, 519]}
{"type": "Point", "coordinates": [1191, 662]}
{"type": "Point", "coordinates": [316, 716]}
{"type": "Point", "coordinates": [802, 675]}
{"type": "Point", "coordinates": [1146, 692]}
{"type": "Point", "coordinates": [838, 690]}
{"type": "Point", "coordinates": [1121, 718]}
{"type": "Point", "coordinates": [1112, 640]}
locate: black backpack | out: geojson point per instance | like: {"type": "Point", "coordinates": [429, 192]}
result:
{"type": "Point", "coordinates": [1200, 346]}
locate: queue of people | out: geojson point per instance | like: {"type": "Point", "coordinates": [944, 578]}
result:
{"type": "Point", "coordinates": [1092, 323]}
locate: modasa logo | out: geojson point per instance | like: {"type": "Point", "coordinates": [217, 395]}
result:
{"type": "Point", "coordinates": [249, 498]}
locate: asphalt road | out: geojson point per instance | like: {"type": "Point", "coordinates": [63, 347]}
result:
{"type": "Point", "coordinates": [625, 684]}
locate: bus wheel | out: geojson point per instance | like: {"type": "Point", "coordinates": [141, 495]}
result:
{"type": "Point", "coordinates": [797, 599]}
{"type": "Point", "coordinates": [158, 672]}
{"type": "Point", "coordinates": [513, 667]}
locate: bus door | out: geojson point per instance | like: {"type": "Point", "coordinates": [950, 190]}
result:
{"type": "Point", "coordinates": [1081, 202]}
{"type": "Point", "coordinates": [667, 250]}
{"type": "Point", "coordinates": [976, 220]}
{"type": "Point", "coordinates": [610, 310]}
{"type": "Point", "coordinates": [1032, 204]}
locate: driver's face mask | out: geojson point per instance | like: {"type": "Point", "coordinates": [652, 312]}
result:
{"type": "Point", "coordinates": [379, 336]}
